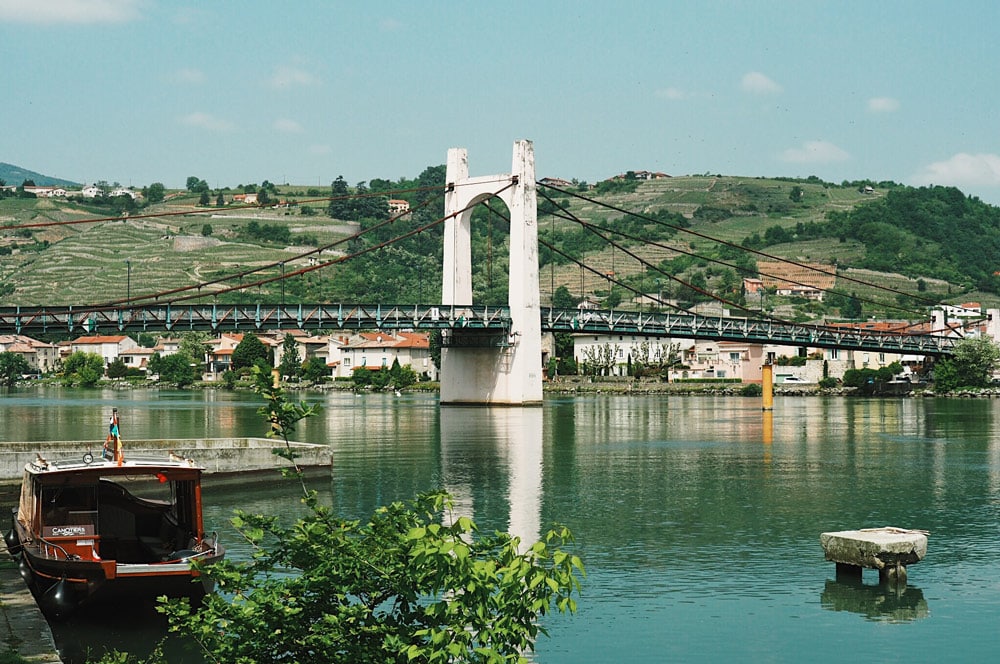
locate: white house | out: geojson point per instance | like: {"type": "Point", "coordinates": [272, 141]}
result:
{"type": "Point", "coordinates": [377, 350]}
{"type": "Point", "coordinates": [137, 358]}
{"type": "Point", "coordinates": [613, 353]}
{"type": "Point", "coordinates": [109, 347]}
{"type": "Point", "coordinates": [46, 192]}
{"type": "Point", "coordinates": [308, 346]}
{"type": "Point", "coordinates": [124, 191]}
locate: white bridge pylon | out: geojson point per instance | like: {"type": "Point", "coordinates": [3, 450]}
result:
{"type": "Point", "coordinates": [509, 373]}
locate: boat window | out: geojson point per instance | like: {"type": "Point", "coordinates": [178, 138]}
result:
{"type": "Point", "coordinates": [148, 489]}
{"type": "Point", "coordinates": [69, 505]}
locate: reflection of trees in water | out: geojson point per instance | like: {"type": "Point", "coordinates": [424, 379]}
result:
{"type": "Point", "coordinates": [880, 602]}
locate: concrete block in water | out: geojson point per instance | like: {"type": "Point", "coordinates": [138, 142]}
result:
{"type": "Point", "coordinates": [875, 548]}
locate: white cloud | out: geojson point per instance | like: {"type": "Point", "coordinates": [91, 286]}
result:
{"type": "Point", "coordinates": [674, 94]}
{"type": "Point", "coordinates": [207, 121]}
{"type": "Point", "coordinates": [285, 77]}
{"type": "Point", "coordinates": [320, 149]}
{"type": "Point", "coordinates": [390, 25]}
{"type": "Point", "coordinates": [815, 152]}
{"type": "Point", "coordinates": [883, 105]}
{"type": "Point", "coordinates": [69, 11]}
{"type": "Point", "coordinates": [758, 84]}
{"type": "Point", "coordinates": [962, 170]}
{"type": "Point", "coordinates": [287, 126]}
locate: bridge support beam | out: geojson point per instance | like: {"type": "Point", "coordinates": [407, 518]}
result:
{"type": "Point", "coordinates": [508, 372]}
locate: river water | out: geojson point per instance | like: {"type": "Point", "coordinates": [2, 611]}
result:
{"type": "Point", "coordinates": [697, 517]}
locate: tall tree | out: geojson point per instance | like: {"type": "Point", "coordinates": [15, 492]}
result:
{"type": "Point", "coordinates": [339, 206]}
{"type": "Point", "coordinates": [248, 352]}
{"type": "Point", "coordinates": [192, 344]}
{"type": "Point", "coordinates": [291, 363]}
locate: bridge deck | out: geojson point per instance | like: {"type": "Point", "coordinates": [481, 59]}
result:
{"type": "Point", "coordinates": [494, 322]}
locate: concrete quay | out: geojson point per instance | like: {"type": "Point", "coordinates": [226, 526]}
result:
{"type": "Point", "coordinates": [224, 459]}
{"type": "Point", "coordinates": [24, 630]}
{"type": "Point", "coordinates": [887, 549]}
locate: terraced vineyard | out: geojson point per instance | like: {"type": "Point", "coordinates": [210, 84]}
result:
{"type": "Point", "coordinates": [108, 260]}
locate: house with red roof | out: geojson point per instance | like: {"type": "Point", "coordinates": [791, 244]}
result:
{"type": "Point", "coordinates": [379, 350]}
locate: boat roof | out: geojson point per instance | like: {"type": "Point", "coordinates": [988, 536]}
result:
{"type": "Point", "coordinates": [100, 466]}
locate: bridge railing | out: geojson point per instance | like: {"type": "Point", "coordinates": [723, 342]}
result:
{"type": "Point", "coordinates": [467, 325]}
{"type": "Point", "coordinates": [749, 330]}
{"type": "Point", "coordinates": [248, 317]}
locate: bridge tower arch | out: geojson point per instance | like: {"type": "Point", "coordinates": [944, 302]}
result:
{"type": "Point", "coordinates": [480, 369]}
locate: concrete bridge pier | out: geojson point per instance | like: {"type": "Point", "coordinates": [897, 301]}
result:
{"type": "Point", "coordinates": [479, 367]}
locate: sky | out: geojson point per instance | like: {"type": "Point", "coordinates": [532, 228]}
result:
{"type": "Point", "coordinates": [237, 92]}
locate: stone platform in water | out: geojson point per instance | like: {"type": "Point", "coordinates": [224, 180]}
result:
{"type": "Point", "coordinates": [886, 549]}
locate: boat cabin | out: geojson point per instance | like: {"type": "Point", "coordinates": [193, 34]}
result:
{"type": "Point", "coordinates": [138, 512]}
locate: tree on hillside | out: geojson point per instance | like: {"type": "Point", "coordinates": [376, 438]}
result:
{"type": "Point", "coordinates": [154, 193]}
{"type": "Point", "coordinates": [196, 185]}
{"type": "Point", "coordinates": [339, 205]}
{"type": "Point", "coordinates": [563, 299]}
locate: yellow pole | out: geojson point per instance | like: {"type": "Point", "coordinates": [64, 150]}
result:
{"type": "Point", "coordinates": [767, 385]}
{"type": "Point", "coordinates": [767, 431]}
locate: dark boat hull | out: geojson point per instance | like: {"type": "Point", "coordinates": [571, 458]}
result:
{"type": "Point", "coordinates": [64, 587]}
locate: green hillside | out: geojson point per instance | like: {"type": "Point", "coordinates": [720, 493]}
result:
{"type": "Point", "coordinates": [15, 175]}
{"type": "Point", "coordinates": [896, 249]}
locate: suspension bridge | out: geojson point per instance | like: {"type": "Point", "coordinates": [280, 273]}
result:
{"type": "Point", "coordinates": [490, 354]}
{"type": "Point", "coordinates": [468, 325]}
